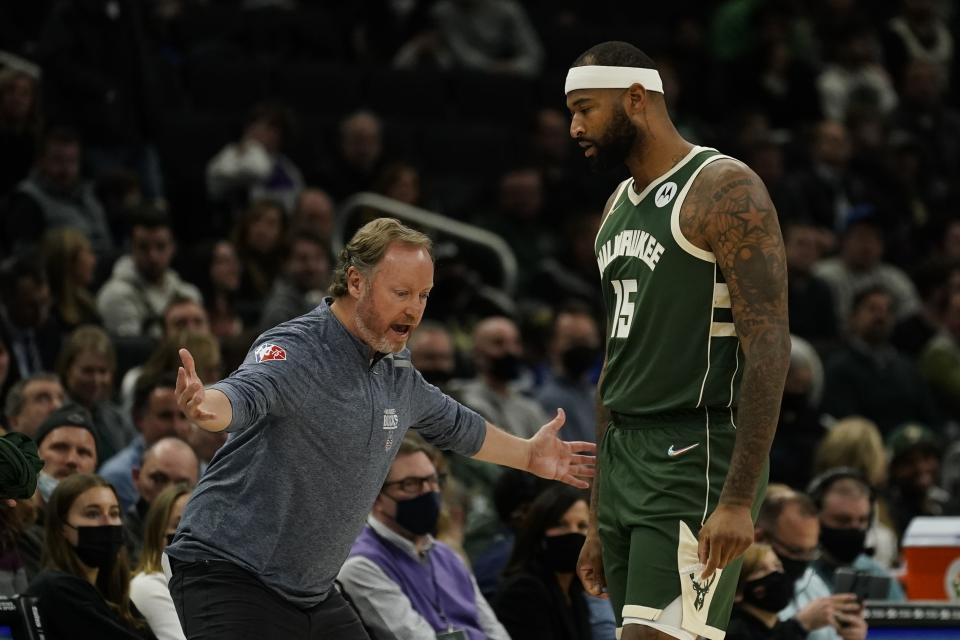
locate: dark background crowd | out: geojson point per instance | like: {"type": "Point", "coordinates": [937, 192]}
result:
{"type": "Point", "coordinates": [179, 173]}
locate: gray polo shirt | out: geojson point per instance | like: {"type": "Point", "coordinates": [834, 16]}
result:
{"type": "Point", "coordinates": [315, 429]}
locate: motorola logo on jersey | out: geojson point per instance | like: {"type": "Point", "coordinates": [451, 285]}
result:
{"type": "Point", "coordinates": [665, 194]}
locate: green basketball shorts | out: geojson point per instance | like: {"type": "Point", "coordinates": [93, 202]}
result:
{"type": "Point", "coordinates": [660, 478]}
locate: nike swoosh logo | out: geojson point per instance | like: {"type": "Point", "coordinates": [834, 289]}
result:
{"type": "Point", "coordinates": [673, 453]}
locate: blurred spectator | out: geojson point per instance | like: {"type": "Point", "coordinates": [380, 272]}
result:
{"type": "Point", "coordinates": [519, 218]}
{"type": "Point", "coordinates": [31, 335]}
{"type": "Point", "coordinates": [799, 429]}
{"type": "Point", "coordinates": [918, 32]}
{"type": "Point", "coordinates": [552, 153]}
{"type": "Point", "coordinates": [358, 157]}
{"type": "Point", "coordinates": [55, 195]}
{"type": "Point", "coordinates": [845, 503]}
{"type": "Point", "coordinates": [169, 461]}
{"type": "Point", "coordinates": [823, 192]}
{"type": "Point", "coordinates": [84, 588]}
{"type": "Point", "coordinates": [492, 37]}
{"type": "Point", "coordinates": [780, 82]}
{"type": "Point", "coordinates": [497, 353]}
{"type": "Point", "coordinates": [810, 300]}
{"type": "Point", "coordinates": [67, 444]}
{"type": "Point", "coordinates": [788, 523]}
{"type": "Point", "coordinates": [148, 588]}
{"type": "Point", "coordinates": [860, 265]}
{"type": "Point", "coordinates": [31, 400]}
{"type": "Point", "coordinates": [763, 589]}
{"type": "Point", "coordinates": [396, 568]}
{"type": "Point", "coordinates": [935, 125]}
{"type": "Point", "coordinates": [575, 353]}
{"type": "Point", "coordinates": [132, 301]}
{"type": "Point", "coordinates": [868, 377]}
{"type": "Point", "coordinates": [258, 238]}
{"type": "Point", "coordinates": [4, 364]}
{"type": "Point", "coordinates": [19, 121]}
{"type": "Point", "coordinates": [400, 181]}
{"type": "Point", "coordinates": [303, 283]}
{"type": "Point", "coordinates": [940, 360]}
{"type": "Point", "coordinates": [513, 492]}
{"type": "Point", "coordinates": [156, 416]}
{"type": "Point", "coordinates": [255, 168]}
{"type": "Point", "coordinates": [856, 443]}
{"type": "Point", "coordinates": [101, 78]}
{"type": "Point", "coordinates": [314, 213]}
{"type": "Point", "coordinates": [541, 595]}
{"type": "Point", "coordinates": [121, 196]}
{"type": "Point", "coordinates": [218, 276]}
{"type": "Point", "coordinates": [385, 26]}
{"type": "Point", "coordinates": [71, 267]}
{"type": "Point", "coordinates": [915, 455]}
{"type": "Point", "coordinates": [87, 366]}
{"type": "Point", "coordinates": [853, 78]}
{"type": "Point", "coordinates": [13, 574]}
{"type": "Point", "coordinates": [432, 353]}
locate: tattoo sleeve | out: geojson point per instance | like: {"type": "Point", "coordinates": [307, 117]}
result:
{"type": "Point", "coordinates": [732, 214]}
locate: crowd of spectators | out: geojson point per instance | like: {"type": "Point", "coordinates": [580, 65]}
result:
{"type": "Point", "coordinates": [174, 173]}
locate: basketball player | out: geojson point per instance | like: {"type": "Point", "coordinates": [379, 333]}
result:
{"type": "Point", "coordinates": [694, 283]}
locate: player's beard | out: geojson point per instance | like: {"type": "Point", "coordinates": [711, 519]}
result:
{"type": "Point", "coordinates": [365, 317]}
{"type": "Point", "coordinates": [615, 145]}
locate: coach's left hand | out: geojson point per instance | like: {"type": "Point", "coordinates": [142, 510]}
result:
{"type": "Point", "coordinates": [553, 459]}
{"type": "Point", "coordinates": [725, 535]}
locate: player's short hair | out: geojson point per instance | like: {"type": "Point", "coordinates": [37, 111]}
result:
{"type": "Point", "coordinates": [615, 53]}
{"type": "Point", "coordinates": [368, 246]}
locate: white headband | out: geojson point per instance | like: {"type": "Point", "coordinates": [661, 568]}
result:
{"type": "Point", "coordinates": [597, 77]}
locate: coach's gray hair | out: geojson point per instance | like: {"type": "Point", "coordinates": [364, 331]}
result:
{"type": "Point", "coordinates": [367, 247]}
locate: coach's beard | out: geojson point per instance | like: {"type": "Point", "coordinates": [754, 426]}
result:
{"type": "Point", "coordinates": [615, 145]}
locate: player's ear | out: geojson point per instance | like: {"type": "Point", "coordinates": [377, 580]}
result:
{"type": "Point", "coordinates": [635, 99]}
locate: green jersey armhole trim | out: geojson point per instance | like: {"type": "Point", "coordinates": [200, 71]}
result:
{"type": "Point", "coordinates": [678, 237]}
{"type": "Point", "coordinates": [613, 207]}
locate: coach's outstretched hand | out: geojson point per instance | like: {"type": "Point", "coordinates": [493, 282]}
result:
{"type": "Point", "coordinates": [554, 459]}
{"type": "Point", "coordinates": [209, 409]}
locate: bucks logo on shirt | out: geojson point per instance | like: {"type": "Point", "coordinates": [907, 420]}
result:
{"type": "Point", "coordinates": [671, 343]}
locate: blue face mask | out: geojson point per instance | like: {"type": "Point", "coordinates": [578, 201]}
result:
{"type": "Point", "coordinates": [419, 515]}
{"type": "Point", "coordinates": [46, 484]}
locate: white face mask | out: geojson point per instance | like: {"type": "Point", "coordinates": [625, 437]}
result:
{"type": "Point", "coordinates": [46, 484]}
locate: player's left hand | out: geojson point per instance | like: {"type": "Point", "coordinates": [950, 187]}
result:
{"type": "Point", "coordinates": [554, 459]}
{"type": "Point", "coordinates": [725, 535]}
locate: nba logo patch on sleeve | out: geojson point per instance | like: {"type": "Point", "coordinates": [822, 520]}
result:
{"type": "Point", "coordinates": [269, 351]}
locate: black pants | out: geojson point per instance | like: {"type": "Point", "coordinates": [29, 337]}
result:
{"type": "Point", "coordinates": [219, 600]}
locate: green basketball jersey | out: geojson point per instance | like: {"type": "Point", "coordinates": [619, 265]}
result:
{"type": "Point", "coordinates": [671, 343]}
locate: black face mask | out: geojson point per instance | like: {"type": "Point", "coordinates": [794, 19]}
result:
{"type": "Point", "coordinates": [794, 569]}
{"type": "Point", "coordinates": [419, 515]}
{"type": "Point", "coordinates": [560, 553]}
{"type": "Point", "coordinates": [98, 546]}
{"type": "Point", "coordinates": [843, 545]}
{"type": "Point", "coordinates": [577, 360]}
{"type": "Point", "coordinates": [773, 592]}
{"type": "Point", "coordinates": [506, 367]}
{"type": "Point", "coordinates": [436, 377]}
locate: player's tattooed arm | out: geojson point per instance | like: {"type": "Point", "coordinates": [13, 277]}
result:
{"type": "Point", "coordinates": [730, 212]}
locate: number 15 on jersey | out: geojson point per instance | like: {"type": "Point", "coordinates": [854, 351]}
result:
{"type": "Point", "coordinates": [623, 314]}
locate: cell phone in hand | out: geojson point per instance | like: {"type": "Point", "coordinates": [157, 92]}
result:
{"type": "Point", "coordinates": [863, 584]}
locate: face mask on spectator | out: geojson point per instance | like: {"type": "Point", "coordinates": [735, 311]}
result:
{"type": "Point", "coordinates": [506, 367]}
{"type": "Point", "coordinates": [577, 360]}
{"type": "Point", "coordinates": [98, 546]}
{"type": "Point", "coordinates": [561, 552]}
{"type": "Point", "coordinates": [844, 545]}
{"type": "Point", "coordinates": [793, 568]}
{"type": "Point", "coordinates": [772, 592]}
{"type": "Point", "coordinates": [46, 484]}
{"type": "Point", "coordinates": [419, 515]}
